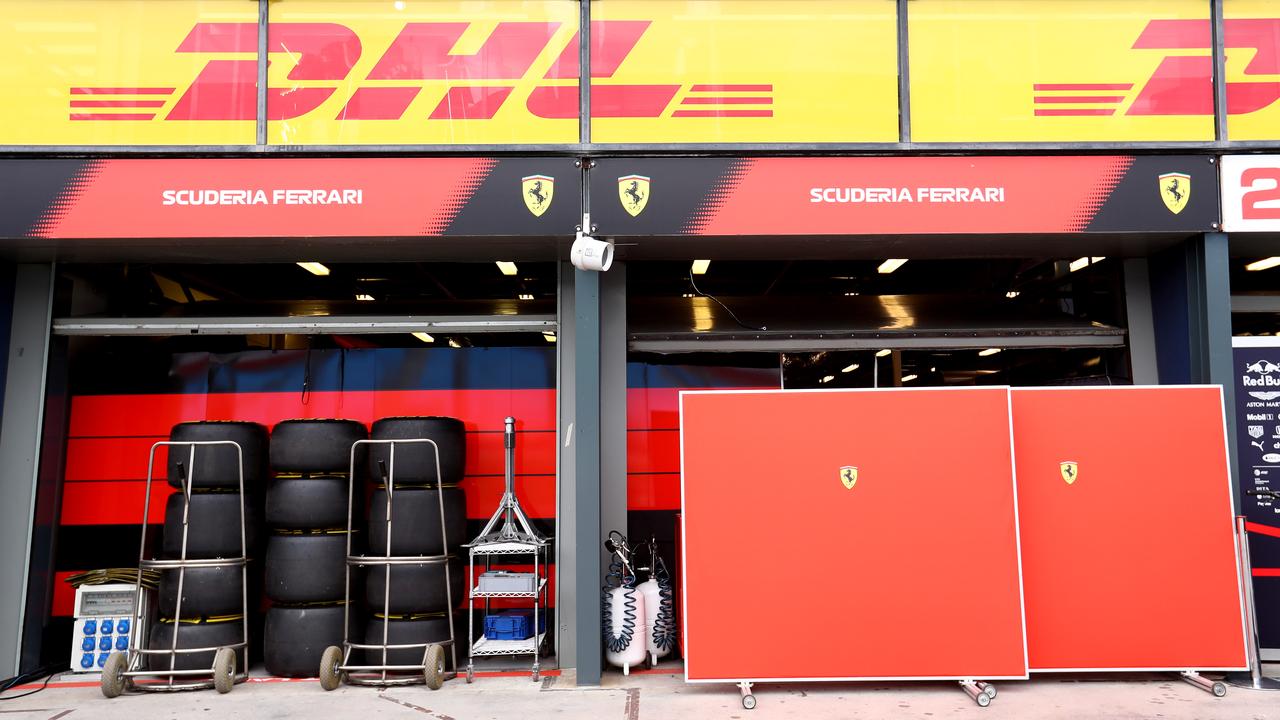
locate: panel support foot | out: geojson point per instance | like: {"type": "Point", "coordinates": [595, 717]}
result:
{"type": "Point", "coordinates": [1204, 683]}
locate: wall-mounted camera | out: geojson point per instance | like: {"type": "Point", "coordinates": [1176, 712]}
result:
{"type": "Point", "coordinates": [588, 253]}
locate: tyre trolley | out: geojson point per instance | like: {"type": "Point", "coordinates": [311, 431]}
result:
{"type": "Point", "coordinates": [336, 664]}
{"type": "Point", "coordinates": [123, 667]}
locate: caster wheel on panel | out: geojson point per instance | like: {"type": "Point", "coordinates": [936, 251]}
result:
{"type": "Point", "coordinates": [1219, 690]}
{"type": "Point", "coordinates": [749, 702]}
{"type": "Point", "coordinates": [330, 661]}
{"type": "Point", "coordinates": [224, 670]}
{"type": "Point", "coordinates": [983, 699]}
{"type": "Point", "coordinates": [112, 682]}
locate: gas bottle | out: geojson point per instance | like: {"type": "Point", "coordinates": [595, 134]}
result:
{"type": "Point", "coordinates": [625, 638]}
{"type": "Point", "coordinates": [654, 614]}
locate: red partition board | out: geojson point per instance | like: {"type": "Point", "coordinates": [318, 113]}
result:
{"type": "Point", "coordinates": [287, 197]}
{"type": "Point", "coordinates": [1132, 565]}
{"type": "Point", "coordinates": [653, 492]}
{"type": "Point", "coordinates": [155, 415]}
{"type": "Point", "coordinates": [916, 563]}
{"type": "Point", "coordinates": [653, 451]}
{"type": "Point", "coordinates": [804, 196]}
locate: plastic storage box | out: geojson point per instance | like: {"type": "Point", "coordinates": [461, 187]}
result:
{"type": "Point", "coordinates": [501, 581]}
{"type": "Point", "coordinates": [512, 624]}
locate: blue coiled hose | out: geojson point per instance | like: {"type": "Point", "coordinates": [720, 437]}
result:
{"type": "Point", "coordinates": [618, 578]}
{"type": "Point", "coordinates": [664, 625]}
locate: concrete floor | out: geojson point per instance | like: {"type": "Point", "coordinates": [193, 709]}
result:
{"type": "Point", "coordinates": [660, 696]}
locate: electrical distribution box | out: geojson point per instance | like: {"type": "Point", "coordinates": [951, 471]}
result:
{"type": "Point", "coordinates": [104, 624]}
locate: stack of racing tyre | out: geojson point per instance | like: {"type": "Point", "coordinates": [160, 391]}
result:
{"type": "Point", "coordinates": [214, 599]}
{"type": "Point", "coordinates": [414, 605]}
{"type": "Point", "coordinates": [307, 513]}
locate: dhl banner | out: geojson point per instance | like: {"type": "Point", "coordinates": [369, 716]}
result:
{"type": "Point", "coordinates": [129, 72]}
{"type": "Point", "coordinates": [1070, 71]}
{"type": "Point", "coordinates": [802, 196]}
{"type": "Point", "coordinates": [288, 197]}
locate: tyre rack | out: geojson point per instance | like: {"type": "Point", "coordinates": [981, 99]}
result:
{"type": "Point", "coordinates": [335, 663]}
{"type": "Point", "coordinates": [517, 537]}
{"type": "Point", "coordinates": [122, 667]}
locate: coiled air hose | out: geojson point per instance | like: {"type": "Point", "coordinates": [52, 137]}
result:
{"type": "Point", "coordinates": [620, 576]}
{"type": "Point", "coordinates": [664, 625]}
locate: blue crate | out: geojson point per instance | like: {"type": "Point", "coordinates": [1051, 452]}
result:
{"type": "Point", "coordinates": [513, 624]}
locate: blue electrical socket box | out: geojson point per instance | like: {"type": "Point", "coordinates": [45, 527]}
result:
{"type": "Point", "coordinates": [513, 624]}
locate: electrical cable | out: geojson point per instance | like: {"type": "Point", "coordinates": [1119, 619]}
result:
{"type": "Point", "coordinates": [47, 672]}
{"type": "Point", "coordinates": [726, 307]}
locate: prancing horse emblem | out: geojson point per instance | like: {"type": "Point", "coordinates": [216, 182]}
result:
{"type": "Point", "coordinates": [538, 191]}
{"type": "Point", "coordinates": [1175, 191]}
{"type": "Point", "coordinates": [633, 191]}
{"type": "Point", "coordinates": [1070, 471]}
{"type": "Point", "coordinates": [849, 476]}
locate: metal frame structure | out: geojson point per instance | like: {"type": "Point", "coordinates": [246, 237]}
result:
{"type": "Point", "coordinates": [123, 667]}
{"type": "Point", "coordinates": [335, 662]}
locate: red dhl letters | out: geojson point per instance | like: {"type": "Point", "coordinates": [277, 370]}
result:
{"type": "Point", "coordinates": [225, 89]}
{"type": "Point", "coordinates": [1181, 84]}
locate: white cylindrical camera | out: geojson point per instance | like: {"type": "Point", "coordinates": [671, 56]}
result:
{"type": "Point", "coordinates": [588, 253]}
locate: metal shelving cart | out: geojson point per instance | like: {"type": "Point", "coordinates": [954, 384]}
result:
{"type": "Point", "coordinates": [516, 537]}
{"type": "Point", "coordinates": [335, 663]}
{"type": "Point", "coordinates": [122, 667]}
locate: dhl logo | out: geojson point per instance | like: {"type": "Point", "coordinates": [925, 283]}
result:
{"type": "Point", "coordinates": [1182, 84]}
{"type": "Point", "coordinates": [225, 88]}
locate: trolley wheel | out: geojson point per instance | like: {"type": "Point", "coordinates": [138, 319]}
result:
{"type": "Point", "coordinates": [534, 675]}
{"type": "Point", "coordinates": [1219, 690]}
{"type": "Point", "coordinates": [749, 702]}
{"type": "Point", "coordinates": [113, 675]}
{"type": "Point", "coordinates": [983, 699]}
{"type": "Point", "coordinates": [990, 690]}
{"type": "Point", "coordinates": [330, 661]}
{"type": "Point", "coordinates": [224, 670]}
{"type": "Point", "coordinates": [471, 673]}
{"type": "Point", "coordinates": [433, 668]}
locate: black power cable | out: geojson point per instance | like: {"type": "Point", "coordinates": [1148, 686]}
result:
{"type": "Point", "coordinates": [726, 307]}
{"type": "Point", "coordinates": [47, 672]}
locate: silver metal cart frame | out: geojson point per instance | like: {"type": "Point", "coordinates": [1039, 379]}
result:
{"type": "Point", "coordinates": [516, 537]}
{"type": "Point", "coordinates": [335, 663]}
{"type": "Point", "coordinates": [123, 667]}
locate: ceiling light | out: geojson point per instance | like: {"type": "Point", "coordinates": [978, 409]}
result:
{"type": "Point", "coordinates": [882, 353]}
{"type": "Point", "coordinates": [314, 268]}
{"type": "Point", "coordinates": [1012, 294]}
{"type": "Point", "coordinates": [524, 296]}
{"type": "Point", "coordinates": [933, 369]}
{"type": "Point", "coordinates": [850, 368]}
{"type": "Point", "coordinates": [1093, 362]}
{"type": "Point", "coordinates": [1263, 264]}
{"type": "Point", "coordinates": [453, 343]}
{"type": "Point", "coordinates": [828, 378]}
{"type": "Point", "coordinates": [424, 337]}
{"type": "Point", "coordinates": [989, 352]}
{"type": "Point", "coordinates": [890, 265]}
{"type": "Point", "coordinates": [1079, 263]}
{"type": "Point", "coordinates": [908, 378]}
{"type": "Point", "coordinates": [688, 295]}
{"type": "Point", "coordinates": [364, 298]}
{"type": "Point", "coordinates": [549, 337]}
{"type": "Point", "coordinates": [851, 294]}
{"type": "Point", "coordinates": [507, 268]}
{"type": "Point", "coordinates": [1096, 260]}
{"type": "Point", "coordinates": [699, 267]}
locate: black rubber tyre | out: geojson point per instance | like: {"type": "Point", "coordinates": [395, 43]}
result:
{"type": "Point", "coordinates": [297, 637]}
{"type": "Point", "coordinates": [213, 525]}
{"type": "Point", "coordinates": [416, 462]}
{"type": "Point", "coordinates": [404, 632]}
{"type": "Point", "coordinates": [314, 503]}
{"type": "Point", "coordinates": [314, 446]}
{"type": "Point", "coordinates": [216, 466]}
{"type": "Point", "coordinates": [194, 635]}
{"type": "Point", "coordinates": [416, 518]}
{"type": "Point", "coordinates": [415, 588]}
{"type": "Point", "coordinates": [206, 592]}
{"type": "Point", "coordinates": [306, 569]}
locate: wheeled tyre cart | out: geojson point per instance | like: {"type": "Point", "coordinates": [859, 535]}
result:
{"type": "Point", "coordinates": [183, 671]}
{"type": "Point", "coordinates": [354, 663]}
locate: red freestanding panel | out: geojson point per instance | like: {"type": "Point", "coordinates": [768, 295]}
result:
{"type": "Point", "coordinates": [911, 573]}
{"type": "Point", "coordinates": [1129, 555]}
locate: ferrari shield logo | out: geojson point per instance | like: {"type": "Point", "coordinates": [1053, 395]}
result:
{"type": "Point", "coordinates": [1070, 471]}
{"type": "Point", "coordinates": [1175, 190]}
{"type": "Point", "coordinates": [633, 191]}
{"type": "Point", "coordinates": [538, 191]}
{"type": "Point", "coordinates": [849, 476]}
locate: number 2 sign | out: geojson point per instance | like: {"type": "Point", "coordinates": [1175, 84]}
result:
{"type": "Point", "coordinates": [1251, 193]}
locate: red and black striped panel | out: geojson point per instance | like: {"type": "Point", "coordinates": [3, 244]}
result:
{"type": "Point", "coordinates": [803, 196]}
{"type": "Point", "coordinates": [286, 197]}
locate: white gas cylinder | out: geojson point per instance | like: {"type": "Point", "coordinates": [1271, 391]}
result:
{"type": "Point", "coordinates": [652, 594]}
{"type": "Point", "coordinates": [621, 618]}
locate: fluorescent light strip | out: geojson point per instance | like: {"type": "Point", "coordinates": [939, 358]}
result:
{"type": "Point", "coordinates": [314, 268]}
{"type": "Point", "coordinates": [828, 378]}
{"type": "Point", "coordinates": [890, 265]}
{"type": "Point", "coordinates": [364, 298]}
{"type": "Point", "coordinates": [699, 267]}
{"type": "Point", "coordinates": [507, 268]}
{"type": "Point", "coordinates": [908, 378]}
{"type": "Point", "coordinates": [882, 353]}
{"type": "Point", "coordinates": [549, 337]}
{"type": "Point", "coordinates": [989, 352]}
{"type": "Point", "coordinates": [850, 368]}
{"type": "Point", "coordinates": [1263, 264]}
{"type": "Point", "coordinates": [1079, 264]}
{"type": "Point", "coordinates": [424, 337]}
